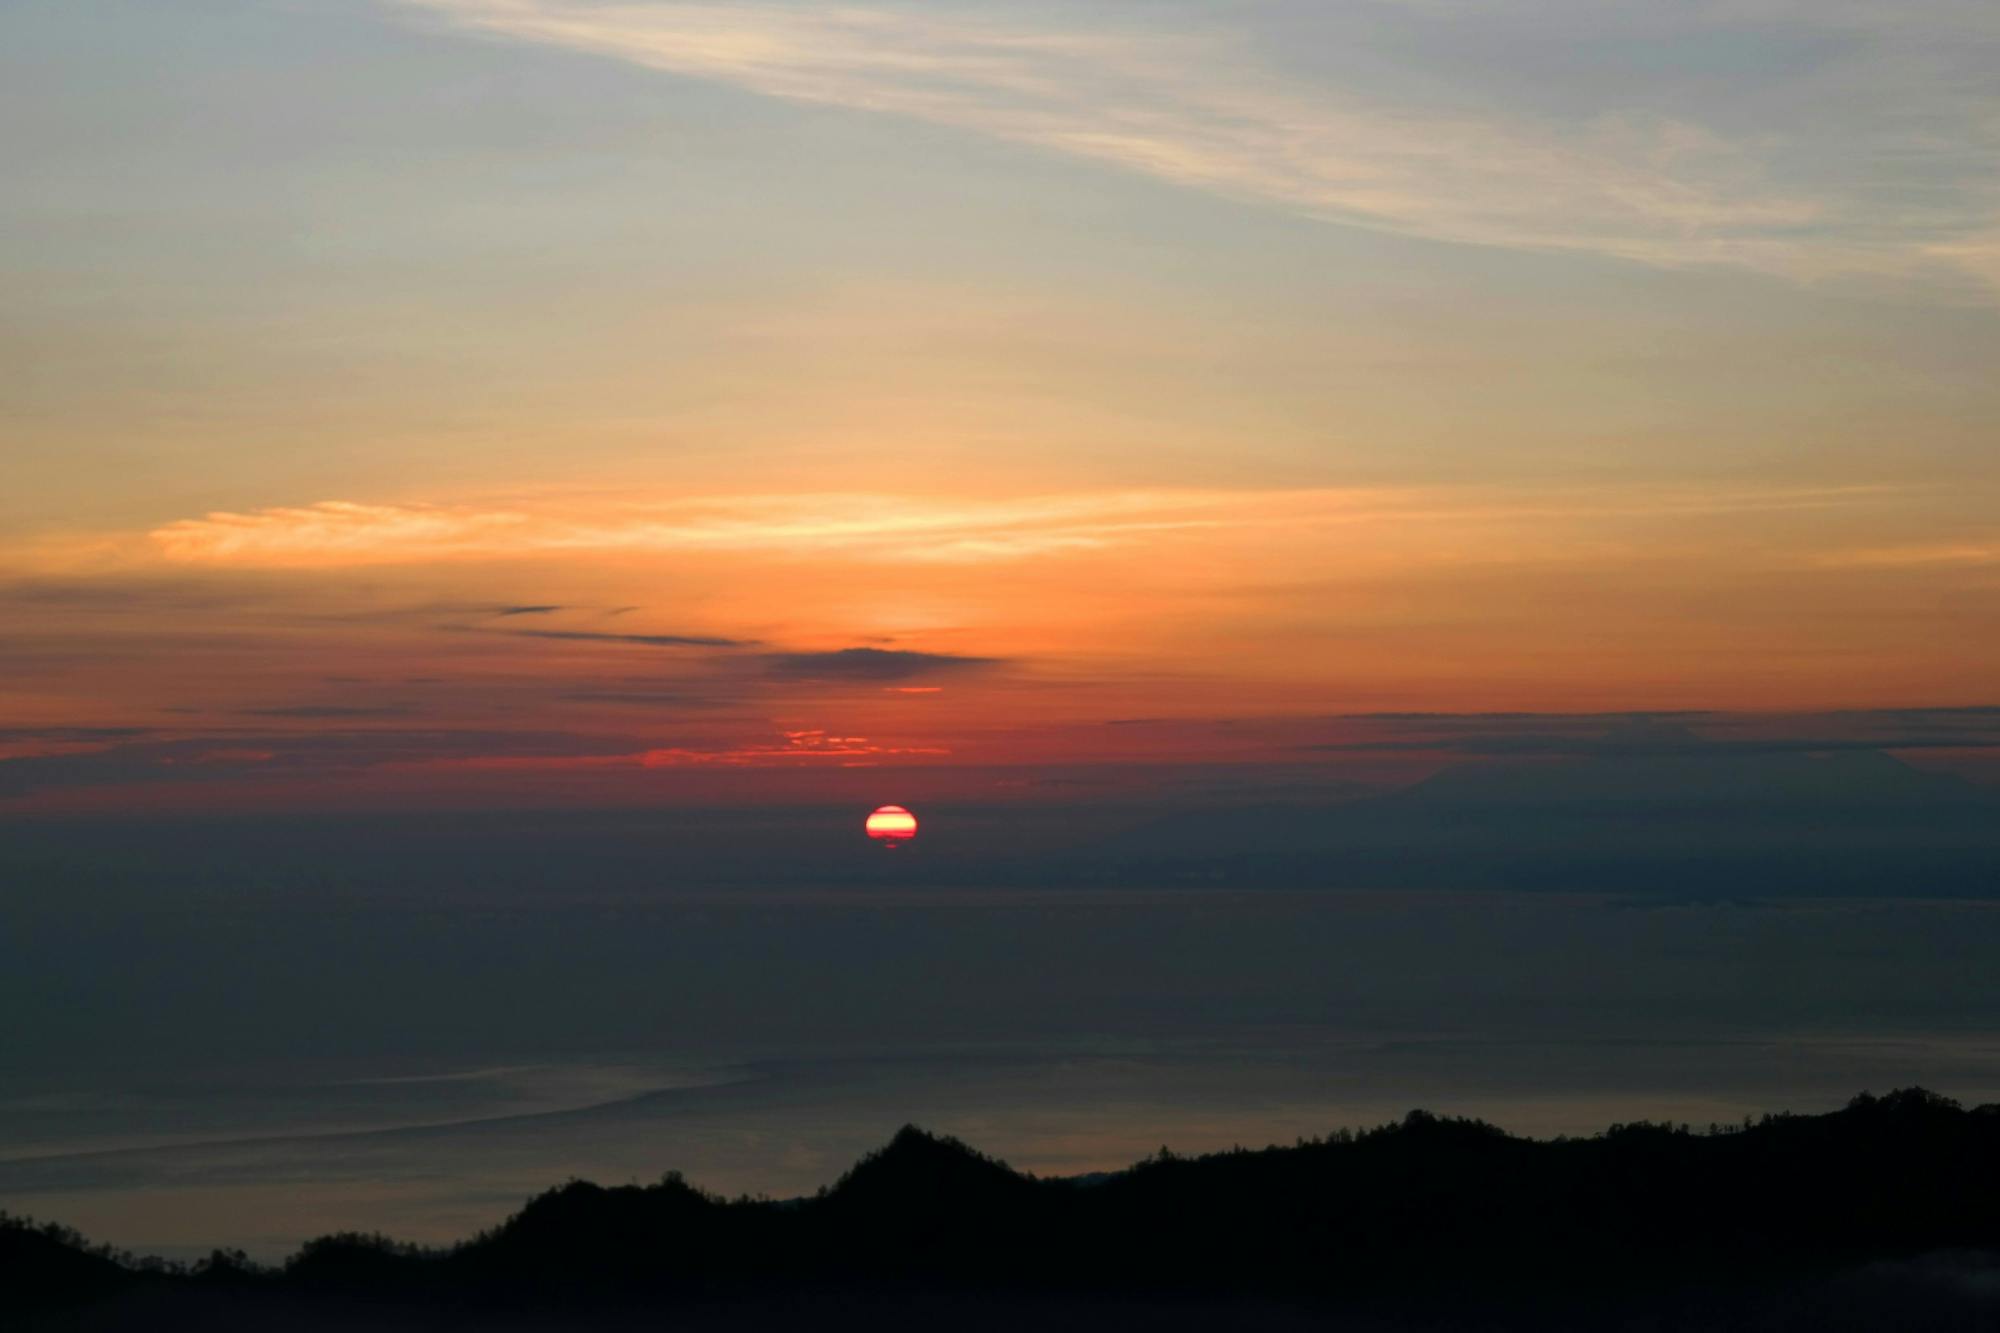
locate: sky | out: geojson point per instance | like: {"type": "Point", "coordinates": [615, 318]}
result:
{"type": "Point", "coordinates": [460, 401]}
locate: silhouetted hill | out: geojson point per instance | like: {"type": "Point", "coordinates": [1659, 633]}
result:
{"type": "Point", "coordinates": [1877, 1216]}
{"type": "Point", "coordinates": [921, 1172]}
{"type": "Point", "coordinates": [52, 1266]}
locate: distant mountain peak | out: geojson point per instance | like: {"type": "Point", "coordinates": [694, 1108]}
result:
{"type": "Point", "coordinates": [916, 1163]}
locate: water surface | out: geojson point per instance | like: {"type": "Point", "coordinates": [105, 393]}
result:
{"type": "Point", "coordinates": [255, 1072]}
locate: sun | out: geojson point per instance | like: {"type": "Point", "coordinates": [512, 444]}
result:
{"type": "Point", "coordinates": [892, 826]}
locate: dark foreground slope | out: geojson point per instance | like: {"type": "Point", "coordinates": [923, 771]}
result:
{"type": "Point", "coordinates": [1883, 1215]}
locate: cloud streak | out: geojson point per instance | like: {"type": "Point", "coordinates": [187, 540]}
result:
{"type": "Point", "coordinates": [331, 712]}
{"type": "Point", "coordinates": [902, 528]}
{"type": "Point", "coordinates": [1616, 747]}
{"type": "Point", "coordinates": [872, 665]}
{"type": "Point", "coordinates": [644, 640]}
{"type": "Point", "coordinates": [225, 756]}
{"type": "Point", "coordinates": [336, 533]}
{"type": "Point", "coordinates": [1671, 735]}
{"type": "Point", "coordinates": [1206, 111]}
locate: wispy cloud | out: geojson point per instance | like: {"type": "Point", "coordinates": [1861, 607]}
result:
{"type": "Point", "coordinates": [220, 756]}
{"type": "Point", "coordinates": [331, 712]}
{"type": "Point", "coordinates": [646, 640]}
{"type": "Point", "coordinates": [1916, 555]}
{"type": "Point", "coordinates": [904, 529]}
{"type": "Point", "coordinates": [812, 748]}
{"type": "Point", "coordinates": [1669, 734]}
{"type": "Point", "coordinates": [1621, 747]}
{"type": "Point", "coordinates": [658, 699]}
{"type": "Point", "coordinates": [335, 533]}
{"type": "Point", "coordinates": [875, 665]}
{"type": "Point", "coordinates": [1205, 110]}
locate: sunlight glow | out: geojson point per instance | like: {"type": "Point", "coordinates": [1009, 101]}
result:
{"type": "Point", "coordinates": [892, 826]}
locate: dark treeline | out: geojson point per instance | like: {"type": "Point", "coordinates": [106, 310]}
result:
{"type": "Point", "coordinates": [1885, 1214]}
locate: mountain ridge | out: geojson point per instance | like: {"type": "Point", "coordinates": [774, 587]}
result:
{"type": "Point", "coordinates": [1432, 1218]}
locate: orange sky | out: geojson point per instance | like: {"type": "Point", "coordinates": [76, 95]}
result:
{"type": "Point", "coordinates": [426, 397]}
{"type": "Point", "coordinates": [615, 645]}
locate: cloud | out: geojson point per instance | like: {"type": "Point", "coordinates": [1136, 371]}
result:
{"type": "Point", "coordinates": [873, 665]}
{"type": "Point", "coordinates": [1664, 735]}
{"type": "Point", "coordinates": [338, 533]}
{"type": "Point", "coordinates": [906, 529]}
{"type": "Point", "coordinates": [331, 711]}
{"type": "Point", "coordinates": [648, 640]}
{"type": "Point", "coordinates": [1974, 714]}
{"type": "Point", "coordinates": [651, 698]}
{"type": "Point", "coordinates": [117, 595]}
{"type": "Point", "coordinates": [329, 529]}
{"type": "Point", "coordinates": [1611, 747]}
{"type": "Point", "coordinates": [1923, 557]}
{"type": "Point", "coordinates": [527, 611]}
{"type": "Point", "coordinates": [68, 734]}
{"type": "Point", "coordinates": [813, 748]}
{"type": "Point", "coordinates": [1205, 109]}
{"type": "Point", "coordinates": [1462, 719]}
{"type": "Point", "coordinates": [221, 755]}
